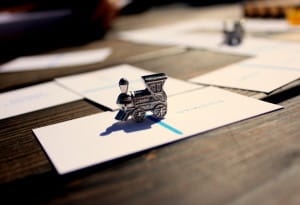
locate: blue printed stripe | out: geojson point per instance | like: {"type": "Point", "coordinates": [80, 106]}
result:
{"type": "Point", "coordinates": [165, 125]}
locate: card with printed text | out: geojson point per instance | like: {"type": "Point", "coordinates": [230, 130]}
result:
{"type": "Point", "coordinates": [34, 98]}
{"type": "Point", "coordinates": [87, 141]}
{"type": "Point", "coordinates": [102, 86]}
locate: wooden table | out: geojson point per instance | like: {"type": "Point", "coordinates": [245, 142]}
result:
{"type": "Point", "coordinates": [256, 161]}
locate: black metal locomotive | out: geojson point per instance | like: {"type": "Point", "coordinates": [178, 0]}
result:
{"type": "Point", "coordinates": [137, 103]}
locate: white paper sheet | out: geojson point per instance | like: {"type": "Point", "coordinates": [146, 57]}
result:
{"type": "Point", "coordinates": [34, 98]}
{"type": "Point", "coordinates": [155, 36]}
{"type": "Point", "coordinates": [250, 25]}
{"type": "Point", "coordinates": [284, 58]}
{"type": "Point", "coordinates": [249, 77]}
{"type": "Point", "coordinates": [251, 46]}
{"type": "Point", "coordinates": [267, 25]}
{"type": "Point", "coordinates": [102, 86]}
{"type": "Point", "coordinates": [87, 141]}
{"type": "Point", "coordinates": [190, 33]}
{"type": "Point", "coordinates": [74, 58]}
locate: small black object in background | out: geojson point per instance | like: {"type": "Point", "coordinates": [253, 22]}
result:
{"type": "Point", "coordinates": [235, 36]}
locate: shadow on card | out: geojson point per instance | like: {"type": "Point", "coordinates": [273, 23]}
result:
{"type": "Point", "coordinates": [130, 126]}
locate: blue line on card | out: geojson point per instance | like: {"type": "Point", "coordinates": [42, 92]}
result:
{"type": "Point", "coordinates": [165, 125]}
{"type": "Point", "coordinates": [271, 67]}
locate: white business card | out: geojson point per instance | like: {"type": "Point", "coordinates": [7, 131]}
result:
{"type": "Point", "coordinates": [34, 98]}
{"type": "Point", "coordinates": [87, 141]}
{"type": "Point", "coordinates": [102, 86]}
{"type": "Point", "coordinates": [248, 76]}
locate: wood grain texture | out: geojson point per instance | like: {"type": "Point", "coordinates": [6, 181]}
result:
{"type": "Point", "coordinates": [20, 153]}
{"type": "Point", "coordinates": [256, 161]}
{"type": "Point", "coordinates": [243, 163]}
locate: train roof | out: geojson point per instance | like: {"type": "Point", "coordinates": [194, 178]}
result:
{"type": "Point", "coordinates": [154, 77]}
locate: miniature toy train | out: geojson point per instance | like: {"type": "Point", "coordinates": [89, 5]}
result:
{"type": "Point", "coordinates": [235, 36]}
{"type": "Point", "coordinates": [137, 103]}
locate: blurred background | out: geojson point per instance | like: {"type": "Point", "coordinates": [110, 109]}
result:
{"type": "Point", "coordinates": [32, 26]}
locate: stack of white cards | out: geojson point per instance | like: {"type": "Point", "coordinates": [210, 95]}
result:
{"type": "Point", "coordinates": [98, 86]}
{"type": "Point", "coordinates": [87, 141]}
{"type": "Point", "coordinates": [98, 138]}
{"type": "Point", "coordinates": [102, 86]}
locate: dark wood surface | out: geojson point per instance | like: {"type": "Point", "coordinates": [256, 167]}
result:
{"type": "Point", "coordinates": [256, 161]}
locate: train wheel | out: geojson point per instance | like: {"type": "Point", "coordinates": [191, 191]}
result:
{"type": "Point", "coordinates": [160, 110]}
{"type": "Point", "coordinates": [138, 115]}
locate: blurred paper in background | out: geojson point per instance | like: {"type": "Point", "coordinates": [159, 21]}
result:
{"type": "Point", "coordinates": [75, 58]}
